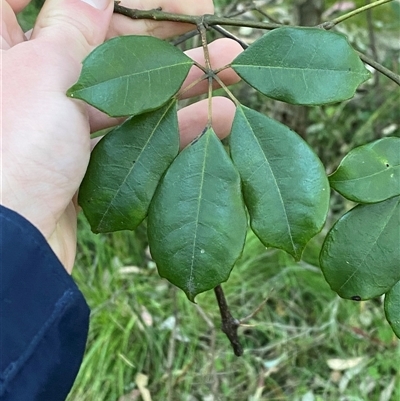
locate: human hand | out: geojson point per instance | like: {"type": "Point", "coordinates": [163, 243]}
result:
{"type": "Point", "coordinates": [45, 134]}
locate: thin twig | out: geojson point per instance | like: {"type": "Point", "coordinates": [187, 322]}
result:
{"type": "Point", "coordinates": [230, 35]}
{"type": "Point", "coordinates": [203, 314]}
{"type": "Point", "coordinates": [379, 67]}
{"type": "Point", "coordinates": [264, 14]}
{"type": "Point", "coordinates": [230, 9]}
{"type": "Point", "coordinates": [186, 36]}
{"type": "Point", "coordinates": [331, 24]}
{"type": "Point", "coordinates": [252, 314]}
{"type": "Point", "coordinates": [372, 43]}
{"type": "Point", "coordinates": [229, 324]}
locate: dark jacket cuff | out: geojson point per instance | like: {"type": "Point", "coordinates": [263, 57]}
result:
{"type": "Point", "coordinates": [44, 318]}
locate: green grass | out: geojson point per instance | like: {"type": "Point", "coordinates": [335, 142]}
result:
{"type": "Point", "coordinates": [287, 344]}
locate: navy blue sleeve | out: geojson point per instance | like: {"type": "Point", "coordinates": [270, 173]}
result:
{"type": "Point", "coordinates": [44, 318]}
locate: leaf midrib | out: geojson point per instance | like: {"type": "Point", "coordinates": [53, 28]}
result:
{"type": "Point", "coordinates": [276, 183]}
{"type": "Point", "coordinates": [392, 169]}
{"type": "Point", "coordinates": [130, 75]}
{"type": "Point", "coordinates": [299, 69]}
{"type": "Point", "coordinates": [362, 261]}
{"type": "Point", "coordinates": [190, 280]}
{"type": "Point", "coordinates": [144, 148]}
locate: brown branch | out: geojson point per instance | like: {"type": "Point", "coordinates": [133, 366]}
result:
{"type": "Point", "coordinates": [207, 19]}
{"type": "Point", "coordinates": [230, 325]}
{"type": "Point", "coordinates": [379, 67]}
{"type": "Point", "coordinates": [212, 20]}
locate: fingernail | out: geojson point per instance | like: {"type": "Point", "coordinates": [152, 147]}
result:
{"type": "Point", "coordinates": [99, 4]}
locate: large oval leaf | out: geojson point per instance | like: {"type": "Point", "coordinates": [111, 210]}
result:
{"type": "Point", "coordinates": [197, 221]}
{"type": "Point", "coordinates": [369, 173]}
{"type": "Point", "coordinates": [125, 168]}
{"type": "Point", "coordinates": [284, 183]}
{"type": "Point", "coordinates": [360, 257]}
{"type": "Point", "coordinates": [302, 66]}
{"type": "Point", "coordinates": [129, 75]}
{"type": "Point", "coordinates": [392, 308]}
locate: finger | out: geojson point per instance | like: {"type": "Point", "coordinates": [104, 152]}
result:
{"type": "Point", "coordinates": [222, 52]}
{"type": "Point", "coordinates": [193, 119]}
{"type": "Point", "coordinates": [99, 120]}
{"type": "Point", "coordinates": [72, 28]}
{"type": "Point", "coordinates": [122, 25]}
{"type": "Point", "coordinates": [11, 32]}
{"type": "Point", "coordinates": [18, 5]}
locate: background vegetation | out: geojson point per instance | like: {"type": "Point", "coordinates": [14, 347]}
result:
{"type": "Point", "coordinates": [148, 342]}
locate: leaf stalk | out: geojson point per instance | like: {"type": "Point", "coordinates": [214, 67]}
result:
{"type": "Point", "coordinates": [202, 27]}
{"type": "Point", "coordinates": [226, 89]}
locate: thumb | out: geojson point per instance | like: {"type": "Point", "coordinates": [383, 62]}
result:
{"type": "Point", "coordinates": [73, 27]}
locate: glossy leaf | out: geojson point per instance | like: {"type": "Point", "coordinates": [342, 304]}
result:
{"type": "Point", "coordinates": [126, 167]}
{"type": "Point", "coordinates": [129, 75]}
{"type": "Point", "coordinates": [284, 183]}
{"type": "Point", "coordinates": [197, 221]}
{"type": "Point", "coordinates": [360, 257]}
{"type": "Point", "coordinates": [308, 66]}
{"type": "Point", "coordinates": [392, 308]}
{"type": "Point", "coordinates": [369, 173]}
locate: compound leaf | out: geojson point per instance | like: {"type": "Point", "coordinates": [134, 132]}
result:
{"type": "Point", "coordinates": [369, 173]}
{"type": "Point", "coordinates": [307, 66]}
{"type": "Point", "coordinates": [284, 183]}
{"type": "Point", "coordinates": [197, 221]}
{"type": "Point", "coordinates": [129, 75]}
{"type": "Point", "coordinates": [126, 167]}
{"type": "Point", "coordinates": [360, 257]}
{"type": "Point", "coordinates": [392, 308]}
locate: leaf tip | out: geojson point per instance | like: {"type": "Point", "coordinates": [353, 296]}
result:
{"type": "Point", "coordinates": [191, 296]}
{"type": "Point", "coordinates": [296, 252]}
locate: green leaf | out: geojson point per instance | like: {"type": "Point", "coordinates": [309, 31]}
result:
{"type": "Point", "coordinates": [392, 308]}
{"type": "Point", "coordinates": [307, 66]}
{"type": "Point", "coordinates": [360, 257]}
{"type": "Point", "coordinates": [370, 173]}
{"type": "Point", "coordinates": [284, 183]}
{"type": "Point", "coordinates": [129, 75]}
{"type": "Point", "coordinates": [125, 169]}
{"type": "Point", "coordinates": [197, 221]}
